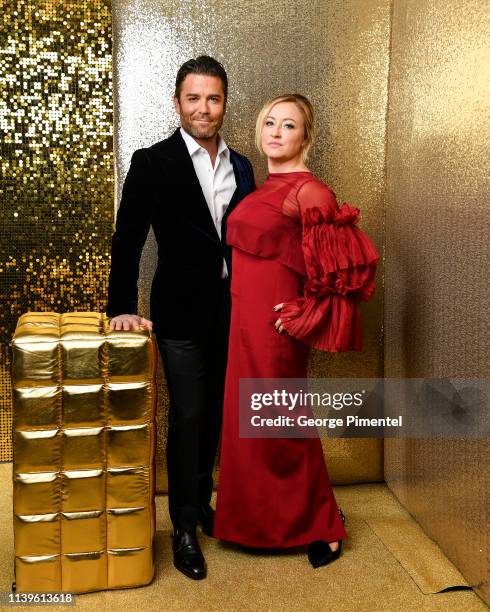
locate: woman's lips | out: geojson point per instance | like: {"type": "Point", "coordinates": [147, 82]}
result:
{"type": "Point", "coordinates": [274, 144]}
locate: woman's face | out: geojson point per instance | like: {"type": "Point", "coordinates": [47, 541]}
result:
{"type": "Point", "coordinates": [283, 132]}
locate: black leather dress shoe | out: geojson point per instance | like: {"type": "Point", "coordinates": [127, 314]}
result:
{"type": "Point", "coordinates": [206, 518]}
{"type": "Point", "coordinates": [188, 557]}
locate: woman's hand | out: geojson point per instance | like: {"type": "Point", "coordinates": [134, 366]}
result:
{"type": "Point", "coordinates": [129, 322]}
{"type": "Point", "coordinates": [278, 324]}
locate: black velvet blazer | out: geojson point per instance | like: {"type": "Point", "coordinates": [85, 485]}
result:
{"type": "Point", "coordinates": [162, 190]}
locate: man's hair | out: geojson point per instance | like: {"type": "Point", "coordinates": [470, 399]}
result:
{"type": "Point", "coordinates": [201, 65]}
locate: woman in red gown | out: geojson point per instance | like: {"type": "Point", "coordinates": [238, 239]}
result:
{"type": "Point", "coordinates": [299, 257]}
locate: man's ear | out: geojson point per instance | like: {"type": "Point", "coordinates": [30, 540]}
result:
{"type": "Point", "coordinates": [176, 105]}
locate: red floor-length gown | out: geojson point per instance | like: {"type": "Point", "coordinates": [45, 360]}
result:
{"type": "Point", "coordinates": [293, 244]}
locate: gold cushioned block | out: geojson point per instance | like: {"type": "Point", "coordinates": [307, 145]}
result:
{"type": "Point", "coordinates": [84, 434]}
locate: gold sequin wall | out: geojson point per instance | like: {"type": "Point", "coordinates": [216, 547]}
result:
{"type": "Point", "coordinates": [56, 183]}
{"type": "Point", "coordinates": [337, 54]}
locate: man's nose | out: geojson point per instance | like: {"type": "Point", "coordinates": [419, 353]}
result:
{"type": "Point", "coordinates": [203, 107]}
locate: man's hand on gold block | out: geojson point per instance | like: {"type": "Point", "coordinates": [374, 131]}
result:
{"type": "Point", "coordinates": [129, 322]}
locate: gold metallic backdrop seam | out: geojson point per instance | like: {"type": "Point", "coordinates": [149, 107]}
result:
{"type": "Point", "coordinates": [382, 277]}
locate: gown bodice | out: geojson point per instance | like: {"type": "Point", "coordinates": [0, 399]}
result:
{"type": "Point", "coordinates": [294, 218]}
{"type": "Point", "coordinates": [262, 225]}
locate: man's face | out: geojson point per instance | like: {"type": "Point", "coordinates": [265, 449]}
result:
{"type": "Point", "coordinates": [201, 105]}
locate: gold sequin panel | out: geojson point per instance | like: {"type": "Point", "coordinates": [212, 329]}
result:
{"type": "Point", "coordinates": [84, 446]}
{"type": "Point", "coordinates": [56, 181]}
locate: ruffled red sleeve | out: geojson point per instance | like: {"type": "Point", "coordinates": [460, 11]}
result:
{"type": "Point", "coordinates": [341, 265]}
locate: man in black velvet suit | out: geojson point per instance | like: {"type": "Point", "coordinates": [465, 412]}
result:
{"type": "Point", "coordinates": [185, 187]}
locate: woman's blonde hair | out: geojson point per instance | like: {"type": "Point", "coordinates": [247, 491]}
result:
{"type": "Point", "coordinates": [304, 105]}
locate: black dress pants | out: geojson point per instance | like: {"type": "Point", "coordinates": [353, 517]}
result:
{"type": "Point", "coordinates": [195, 372]}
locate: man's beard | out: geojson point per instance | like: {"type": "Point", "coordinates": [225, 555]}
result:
{"type": "Point", "coordinates": [203, 133]}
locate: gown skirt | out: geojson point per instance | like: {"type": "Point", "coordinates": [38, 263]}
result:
{"type": "Point", "coordinates": [273, 492]}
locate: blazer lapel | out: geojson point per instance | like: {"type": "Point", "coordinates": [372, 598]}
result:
{"type": "Point", "coordinates": [196, 207]}
{"type": "Point", "coordinates": [240, 179]}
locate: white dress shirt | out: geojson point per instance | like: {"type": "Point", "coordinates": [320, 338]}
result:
{"type": "Point", "coordinates": [217, 182]}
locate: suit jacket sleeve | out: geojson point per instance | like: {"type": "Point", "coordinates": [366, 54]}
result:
{"type": "Point", "coordinates": [133, 222]}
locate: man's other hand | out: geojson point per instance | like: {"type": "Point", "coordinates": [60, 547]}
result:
{"type": "Point", "coordinates": [129, 322]}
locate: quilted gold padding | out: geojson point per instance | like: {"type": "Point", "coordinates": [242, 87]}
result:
{"type": "Point", "coordinates": [84, 436]}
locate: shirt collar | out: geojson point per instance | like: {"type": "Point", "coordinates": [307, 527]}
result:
{"type": "Point", "coordinates": [193, 146]}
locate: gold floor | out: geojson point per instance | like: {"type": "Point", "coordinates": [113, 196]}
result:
{"type": "Point", "coordinates": [388, 564]}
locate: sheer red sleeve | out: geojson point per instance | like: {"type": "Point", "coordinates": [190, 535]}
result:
{"type": "Point", "coordinates": [341, 265]}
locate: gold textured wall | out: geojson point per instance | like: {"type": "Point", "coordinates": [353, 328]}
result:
{"type": "Point", "coordinates": [337, 54]}
{"type": "Point", "coordinates": [436, 259]}
{"type": "Point", "coordinates": [56, 182]}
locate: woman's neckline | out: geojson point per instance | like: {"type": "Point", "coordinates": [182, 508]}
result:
{"type": "Point", "coordinates": [291, 172]}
